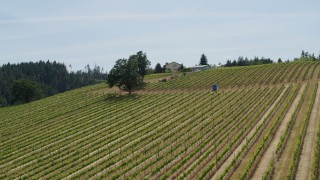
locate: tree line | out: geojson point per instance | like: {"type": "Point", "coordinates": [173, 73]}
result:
{"type": "Point", "coordinates": [27, 81]}
{"type": "Point", "coordinates": [306, 56]}
{"type": "Point", "coordinates": [241, 61]}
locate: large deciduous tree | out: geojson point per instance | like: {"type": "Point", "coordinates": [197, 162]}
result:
{"type": "Point", "coordinates": [128, 74]}
{"type": "Point", "coordinates": [143, 62]}
{"type": "Point", "coordinates": [125, 75]}
{"type": "Point", "coordinates": [203, 60]}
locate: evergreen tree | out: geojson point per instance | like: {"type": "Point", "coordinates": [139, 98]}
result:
{"type": "Point", "coordinates": [158, 68]}
{"type": "Point", "coordinates": [53, 77]}
{"type": "Point", "coordinates": [228, 64]}
{"type": "Point", "coordinates": [241, 61]}
{"type": "Point", "coordinates": [181, 68]}
{"type": "Point", "coordinates": [313, 57]}
{"type": "Point", "coordinates": [203, 60]}
{"type": "Point", "coordinates": [279, 60]}
{"type": "Point", "coordinates": [3, 101]}
{"type": "Point", "coordinates": [234, 63]}
{"type": "Point", "coordinates": [246, 62]}
{"type": "Point", "coordinates": [303, 54]}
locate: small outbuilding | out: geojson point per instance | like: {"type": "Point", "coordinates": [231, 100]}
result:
{"type": "Point", "coordinates": [173, 66]}
{"type": "Point", "coordinates": [200, 67]}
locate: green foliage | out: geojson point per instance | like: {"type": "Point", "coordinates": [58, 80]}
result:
{"type": "Point", "coordinates": [181, 68]}
{"type": "Point", "coordinates": [142, 62]}
{"type": "Point", "coordinates": [178, 135]}
{"type": "Point", "coordinates": [125, 75]}
{"type": "Point", "coordinates": [306, 56]}
{"type": "Point", "coordinates": [203, 60]}
{"type": "Point", "coordinates": [246, 62]}
{"type": "Point", "coordinates": [157, 76]}
{"type": "Point", "coordinates": [128, 74]}
{"type": "Point", "coordinates": [53, 77]}
{"type": "Point", "coordinates": [158, 68]}
{"type": "Point", "coordinates": [186, 70]}
{"type": "Point", "coordinates": [3, 102]}
{"type": "Point", "coordinates": [300, 139]}
{"type": "Point", "coordinates": [315, 162]}
{"type": "Point", "coordinates": [267, 174]}
{"type": "Point", "coordinates": [26, 91]}
{"type": "Point", "coordinates": [236, 77]}
{"type": "Point", "coordinates": [280, 146]}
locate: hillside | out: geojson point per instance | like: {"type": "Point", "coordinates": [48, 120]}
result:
{"type": "Point", "coordinates": [263, 121]}
{"type": "Point", "coordinates": [236, 77]}
{"type": "Point", "coordinates": [50, 77]}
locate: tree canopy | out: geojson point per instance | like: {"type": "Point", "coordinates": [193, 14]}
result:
{"type": "Point", "coordinates": [127, 74]}
{"type": "Point", "coordinates": [143, 62]}
{"type": "Point", "coordinates": [53, 77]}
{"type": "Point", "coordinates": [246, 62]}
{"type": "Point", "coordinates": [26, 91]}
{"type": "Point", "coordinates": [306, 56]}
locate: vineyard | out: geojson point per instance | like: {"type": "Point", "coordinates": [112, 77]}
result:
{"type": "Point", "coordinates": [262, 123]}
{"type": "Point", "coordinates": [242, 77]}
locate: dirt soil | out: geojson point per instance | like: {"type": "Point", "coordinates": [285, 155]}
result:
{"type": "Point", "coordinates": [229, 160]}
{"type": "Point", "coordinates": [269, 153]}
{"type": "Point", "coordinates": [306, 158]}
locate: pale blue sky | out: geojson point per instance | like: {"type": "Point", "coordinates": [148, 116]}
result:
{"type": "Point", "coordinates": [80, 32]}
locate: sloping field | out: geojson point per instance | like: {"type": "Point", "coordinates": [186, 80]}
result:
{"type": "Point", "coordinates": [239, 77]}
{"type": "Point", "coordinates": [262, 123]}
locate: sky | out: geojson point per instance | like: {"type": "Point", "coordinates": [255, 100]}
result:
{"type": "Point", "coordinates": [81, 32]}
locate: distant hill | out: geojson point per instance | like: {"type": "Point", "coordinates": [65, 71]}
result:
{"type": "Point", "coordinates": [262, 122]}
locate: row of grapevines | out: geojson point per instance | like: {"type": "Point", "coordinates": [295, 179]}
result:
{"type": "Point", "coordinates": [262, 140]}
{"type": "Point", "coordinates": [299, 142]}
{"type": "Point", "coordinates": [242, 76]}
{"type": "Point", "coordinates": [250, 118]}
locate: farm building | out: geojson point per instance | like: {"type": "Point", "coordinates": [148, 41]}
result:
{"type": "Point", "coordinates": [200, 67]}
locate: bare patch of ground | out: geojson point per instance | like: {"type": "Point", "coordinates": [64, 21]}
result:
{"type": "Point", "coordinates": [157, 79]}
